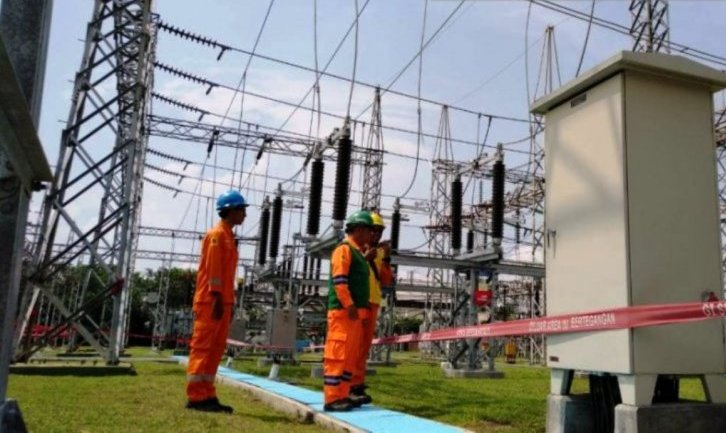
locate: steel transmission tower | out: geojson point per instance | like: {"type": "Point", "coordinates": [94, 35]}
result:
{"type": "Point", "coordinates": [720, 132]}
{"type": "Point", "coordinates": [100, 165]}
{"type": "Point", "coordinates": [442, 174]}
{"type": "Point", "coordinates": [650, 30]}
{"type": "Point", "coordinates": [372, 181]}
{"type": "Point", "coordinates": [529, 193]}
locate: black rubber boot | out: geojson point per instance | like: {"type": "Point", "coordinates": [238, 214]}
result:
{"type": "Point", "coordinates": [359, 397]}
{"type": "Point", "coordinates": [215, 402]}
{"type": "Point", "coordinates": [204, 406]}
{"type": "Point", "coordinates": [342, 405]}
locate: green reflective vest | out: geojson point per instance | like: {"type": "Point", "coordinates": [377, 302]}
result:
{"type": "Point", "coordinates": [358, 280]}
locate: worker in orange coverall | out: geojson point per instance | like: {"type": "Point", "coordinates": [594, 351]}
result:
{"type": "Point", "coordinates": [213, 304]}
{"type": "Point", "coordinates": [348, 296]}
{"type": "Point", "coordinates": [381, 275]}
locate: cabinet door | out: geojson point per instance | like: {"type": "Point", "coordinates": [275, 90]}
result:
{"type": "Point", "coordinates": [585, 217]}
{"type": "Point", "coordinates": [674, 220]}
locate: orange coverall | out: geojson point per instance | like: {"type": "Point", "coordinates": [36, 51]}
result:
{"type": "Point", "coordinates": [344, 334]}
{"type": "Point", "coordinates": [383, 276]}
{"type": "Point", "coordinates": [216, 274]}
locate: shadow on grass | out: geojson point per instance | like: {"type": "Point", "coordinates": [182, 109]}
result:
{"type": "Point", "coordinates": [78, 371]}
{"type": "Point", "coordinates": [270, 417]}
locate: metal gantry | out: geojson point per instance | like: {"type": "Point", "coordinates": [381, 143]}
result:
{"type": "Point", "coordinates": [118, 53]}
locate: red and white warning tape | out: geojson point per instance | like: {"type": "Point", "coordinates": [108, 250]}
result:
{"type": "Point", "coordinates": [601, 320]}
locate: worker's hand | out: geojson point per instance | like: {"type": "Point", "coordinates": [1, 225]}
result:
{"type": "Point", "coordinates": [370, 254]}
{"type": "Point", "coordinates": [386, 247]}
{"type": "Point", "coordinates": [353, 312]}
{"type": "Point", "coordinates": [217, 307]}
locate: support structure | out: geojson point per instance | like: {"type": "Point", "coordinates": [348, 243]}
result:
{"type": "Point", "coordinates": [118, 53]}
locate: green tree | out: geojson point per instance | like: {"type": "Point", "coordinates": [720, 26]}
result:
{"type": "Point", "coordinates": [407, 325]}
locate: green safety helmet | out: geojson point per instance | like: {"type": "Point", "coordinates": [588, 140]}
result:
{"type": "Point", "coordinates": [359, 218]}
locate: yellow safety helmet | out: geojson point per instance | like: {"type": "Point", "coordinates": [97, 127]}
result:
{"type": "Point", "coordinates": [377, 220]}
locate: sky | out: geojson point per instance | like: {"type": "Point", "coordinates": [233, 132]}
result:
{"type": "Point", "coordinates": [484, 59]}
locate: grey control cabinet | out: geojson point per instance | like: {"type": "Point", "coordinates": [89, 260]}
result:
{"type": "Point", "coordinates": [282, 328]}
{"type": "Point", "coordinates": [631, 211]}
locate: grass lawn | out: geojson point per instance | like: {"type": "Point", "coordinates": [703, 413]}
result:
{"type": "Point", "coordinates": [152, 400]}
{"type": "Point", "coordinates": [516, 403]}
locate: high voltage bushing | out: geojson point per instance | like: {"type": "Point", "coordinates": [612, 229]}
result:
{"type": "Point", "coordinates": [456, 199]}
{"type": "Point", "coordinates": [517, 228]}
{"type": "Point", "coordinates": [316, 196]}
{"type": "Point", "coordinates": [342, 176]}
{"type": "Point", "coordinates": [264, 230]}
{"type": "Point", "coordinates": [498, 200]}
{"type": "Point", "coordinates": [395, 226]}
{"type": "Point", "coordinates": [276, 225]}
{"type": "Point", "coordinates": [470, 241]}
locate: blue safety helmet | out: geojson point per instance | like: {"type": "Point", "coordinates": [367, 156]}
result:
{"type": "Point", "coordinates": [231, 200]}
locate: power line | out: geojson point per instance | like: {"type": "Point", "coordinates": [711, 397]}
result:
{"type": "Point", "coordinates": [355, 59]}
{"type": "Point", "coordinates": [221, 167]}
{"type": "Point", "coordinates": [191, 36]}
{"type": "Point", "coordinates": [587, 37]}
{"type": "Point", "coordinates": [419, 138]}
{"type": "Point", "coordinates": [207, 41]}
{"type": "Point", "coordinates": [243, 79]}
{"type": "Point", "coordinates": [340, 117]}
{"type": "Point", "coordinates": [419, 53]}
{"type": "Point", "coordinates": [177, 190]}
{"type": "Point", "coordinates": [316, 84]}
{"type": "Point", "coordinates": [619, 28]}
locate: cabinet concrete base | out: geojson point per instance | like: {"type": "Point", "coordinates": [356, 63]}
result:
{"type": "Point", "coordinates": [569, 414]}
{"type": "Point", "coordinates": [671, 418]}
{"type": "Point", "coordinates": [573, 414]}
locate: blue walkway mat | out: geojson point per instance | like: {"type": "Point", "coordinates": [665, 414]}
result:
{"type": "Point", "coordinates": [370, 418]}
